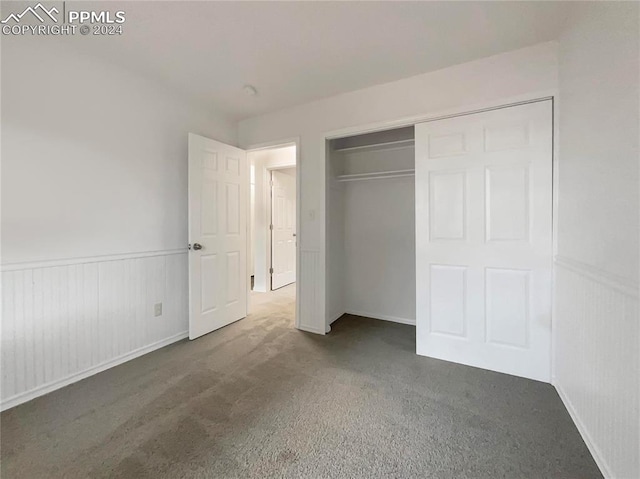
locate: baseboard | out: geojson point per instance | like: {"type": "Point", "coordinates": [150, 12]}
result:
{"type": "Point", "coordinates": [593, 449]}
{"type": "Point", "coordinates": [311, 329]}
{"type": "Point", "coordinates": [393, 319]}
{"type": "Point", "coordinates": [75, 377]}
{"type": "Point", "coordinates": [335, 317]}
{"type": "Point", "coordinates": [332, 319]}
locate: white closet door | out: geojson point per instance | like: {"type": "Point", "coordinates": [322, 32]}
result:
{"type": "Point", "coordinates": [217, 235]}
{"type": "Point", "coordinates": [484, 244]}
{"type": "Point", "coordinates": [283, 233]}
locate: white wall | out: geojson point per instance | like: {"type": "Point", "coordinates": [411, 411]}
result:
{"type": "Point", "coordinates": [492, 80]}
{"type": "Point", "coordinates": [597, 336]}
{"type": "Point", "coordinates": [94, 176]}
{"type": "Point", "coordinates": [94, 158]}
{"type": "Point", "coordinates": [599, 138]}
{"type": "Point", "coordinates": [264, 161]}
{"type": "Point", "coordinates": [380, 250]}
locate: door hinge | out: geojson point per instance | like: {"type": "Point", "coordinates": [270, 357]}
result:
{"type": "Point", "coordinates": [271, 227]}
{"type": "Point", "coordinates": [270, 270]}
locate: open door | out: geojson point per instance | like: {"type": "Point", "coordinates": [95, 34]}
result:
{"type": "Point", "coordinates": [217, 235]}
{"type": "Point", "coordinates": [283, 229]}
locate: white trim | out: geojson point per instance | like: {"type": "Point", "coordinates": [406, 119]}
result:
{"type": "Point", "coordinates": [89, 259]}
{"type": "Point", "coordinates": [383, 317]}
{"type": "Point", "coordinates": [310, 329]}
{"type": "Point", "coordinates": [335, 317]}
{"type": "Point", "coordinates": [442, 114]}
{"type": "Point", "coordinates": [625, 286]}
{"type": "Point", "coordinates": [268, 145]}
{"type": "Point", "coordinates": [593, 449]}
{"type": "Point", "coordinates": [555, 188]}
{"type": "Point", "coordinates": [75, 377]}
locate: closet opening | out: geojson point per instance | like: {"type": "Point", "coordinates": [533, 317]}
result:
{"type": "Point", "coordinates": [371, 266]}
{"type": "Point", "coordinates": [474, 192]}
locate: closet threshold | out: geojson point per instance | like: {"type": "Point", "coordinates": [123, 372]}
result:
{"type": "Point", "coordinates": [378, 175]}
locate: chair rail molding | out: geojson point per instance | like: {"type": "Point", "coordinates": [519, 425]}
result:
{"type": "Point", "coordinates": [618, 283]}
{"type": "Point", "coordinates": [22, 265]}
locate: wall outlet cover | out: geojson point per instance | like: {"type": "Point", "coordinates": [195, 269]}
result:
{"type": "Point", "coordinates": [157, 309]}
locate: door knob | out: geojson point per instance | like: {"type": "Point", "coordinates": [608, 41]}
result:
{"type": "Point", "coordinates": [197, 246]}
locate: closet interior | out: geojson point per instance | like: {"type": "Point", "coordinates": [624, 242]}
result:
{"type": "Point", "coordinates": [371, 257]}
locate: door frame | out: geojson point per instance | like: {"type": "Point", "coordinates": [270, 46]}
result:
{"type": "Point", "coordinates": [270, 145]}
{"type": "Point", "coordinates": [534, 96]}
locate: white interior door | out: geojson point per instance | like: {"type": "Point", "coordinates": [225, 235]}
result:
{"type": "Point", "coordinates": [217, 235]}
{"type": "Point", "coordinates": [484, 244]}
{"type": "Point", "coordinates": [283, 231]}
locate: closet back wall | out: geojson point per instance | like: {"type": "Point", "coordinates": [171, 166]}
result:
{"type": "Point", "coordinates": [380, 249]}
{"type": "Point", "coordinates": [379, 242]}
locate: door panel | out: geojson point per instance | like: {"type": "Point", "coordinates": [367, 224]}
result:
{"type": "Point", "coordinates": [507, 190]}
{"type": "Point", "coordinates": [507, 300]}
{"type": "Point", "coordinates": [209, 282]}
{"type": "Point", "coordinates": [484, 245]}
{"type": "Point", "coordinates": [447, 205]}
{"type": "Point", "coordinates": [217, 222]}
{"type": "Point", "coordinates": [283, 240]}
{"type": "Point", "coordinates": [448, 305]}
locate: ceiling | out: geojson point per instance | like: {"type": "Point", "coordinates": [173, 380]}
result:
{"type": "Point", "coordinates": [296, 52]}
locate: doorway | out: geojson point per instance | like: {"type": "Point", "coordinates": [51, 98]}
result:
{"type": "Point", "coordinates": [273, 224]}
{"type": "Point", "coordinates": [230, 224]}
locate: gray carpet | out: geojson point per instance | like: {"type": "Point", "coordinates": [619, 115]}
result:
{"type": "Point", "coordinates": [261, 399]}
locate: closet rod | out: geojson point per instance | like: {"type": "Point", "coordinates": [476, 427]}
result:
{"type": "Point", "coordinates": [379, 175]}
{"type": "Point", "coordinates": [396, 144]}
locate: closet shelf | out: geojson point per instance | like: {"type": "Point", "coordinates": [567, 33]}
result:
{"type": "Point", "coordinates": [378, 175]}
{"type": "Point", "coordinates": [373, 146]}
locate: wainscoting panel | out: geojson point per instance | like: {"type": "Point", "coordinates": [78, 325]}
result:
{"type": "Point", "coordinates": [311, 310]}
{"type": "Point", "coordinates": [597, 362]}
{"type": "Point", "coordinates": [63, 322]}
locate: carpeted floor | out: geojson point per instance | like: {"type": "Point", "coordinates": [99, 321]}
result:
{"type": "Point", "coordinates": [261, 399]}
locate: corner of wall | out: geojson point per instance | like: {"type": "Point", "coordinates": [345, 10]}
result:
{"type": "Point", "coordinates": [596, 310]}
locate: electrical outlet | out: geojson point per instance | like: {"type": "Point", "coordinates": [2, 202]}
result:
{"type": "Point", "coordinates": [157, 309]}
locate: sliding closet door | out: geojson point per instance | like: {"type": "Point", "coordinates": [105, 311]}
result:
{"type": "Point", "coordinates": [483, 239]}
